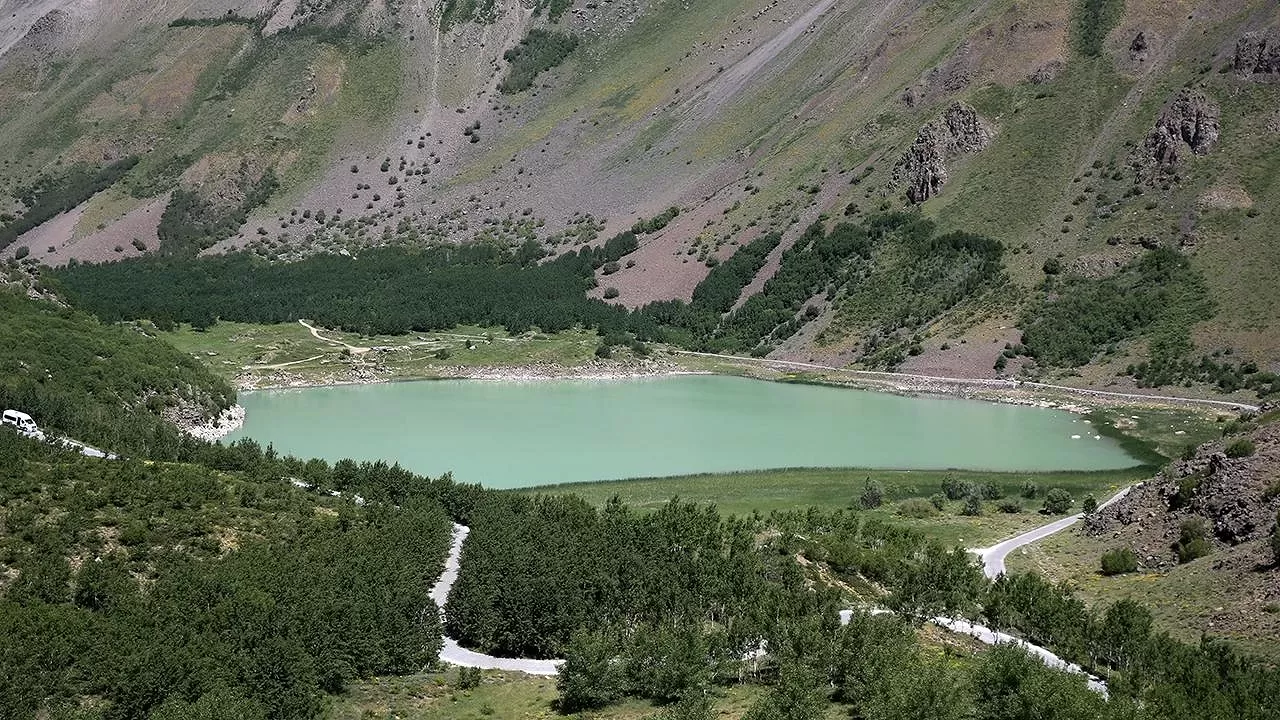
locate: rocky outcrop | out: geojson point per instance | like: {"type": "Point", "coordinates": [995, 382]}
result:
{"type": "Point", "coordinates": [1257, 54]}
{"type": "Point", "coordinates": [1235, 498]}
{"type": "Point", "coordinates": [1190, 122]}
{"type": "Point", "coordinates": [922, 169]}
{"type": "Point", "coordinates": [1139, 47]}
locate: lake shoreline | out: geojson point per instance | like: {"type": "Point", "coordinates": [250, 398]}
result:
{"type": "Point", "coordinates": [1007, 392]}
{"type": "Point", "coordinates": [512, 433]}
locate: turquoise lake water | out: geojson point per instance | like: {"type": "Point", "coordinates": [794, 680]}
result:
{"type": "Point", "coordinates": [520, 434]}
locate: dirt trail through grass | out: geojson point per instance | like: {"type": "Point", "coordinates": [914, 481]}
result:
{"type": "Point", "coordinates": [316, 332]}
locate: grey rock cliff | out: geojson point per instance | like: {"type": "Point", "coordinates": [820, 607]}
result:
{"type": "Point", "coordinates": [1190, 122]}
{"type": "Point", "coordinates": [922, 169]}
{"type": "Point", "coordinates": [1257, 54]}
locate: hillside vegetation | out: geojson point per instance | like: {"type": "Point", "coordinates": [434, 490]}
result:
{"type": "Point", "coordinates": [1074, 139]}
{"type": "Point", "coordinates": [103, 384]}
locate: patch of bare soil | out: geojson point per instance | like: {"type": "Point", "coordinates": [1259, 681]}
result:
{"type": "Point", "coordinates": [971, 353]}
{"type": "Point", "coordinates": [53, 233]}
{"type": "Point", "coordinates": [116, 240]}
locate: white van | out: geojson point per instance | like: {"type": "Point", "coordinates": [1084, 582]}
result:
{"type": "Point", "coordinates": [23, 423]}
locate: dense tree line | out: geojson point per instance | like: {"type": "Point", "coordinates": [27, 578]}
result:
{"type": "Point", "coordinates": [816, 261]}
{"type": "Point", "coordinates": [163, 589]}
{"type": "Point", "coordinates": [397, 290]}
{"type": "Point", "coordinates": [1162, 677]}
{"type": "Point", "coordinates": [537, 569]}
{"type": "Point", "coordinates": [385, 291]}
{"type": "Point", "coordinates": [723, 285]}
{"type": "Point", "coordinates": [539, 51]}
{"type": "Point", "coordinates": [59, 193]}
{"type": "Point", "coordinates": [106, 385]}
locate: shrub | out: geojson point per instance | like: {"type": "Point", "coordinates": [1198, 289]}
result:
{"type": "Point", "coordinates": [972, 505]}
{"type": "Point", "coordinates": [1052, 266]}
{"type": "Point", "coordinates": [917, 508]}
{"type": "Point", "coordinates": [21, 252]}
{"type": "Point", "coordinates": [1056, 502]}
{"type": "Point", "coordinates": [938, 500]}
{"type": "Point", "coordinates": [991, 491]}
{"type": "Point", "coordinates": [1010, 506]}
{"type": "Point", "coordinates": [469, 678]}
{"type": "Point", "coordinates": [872, 494]}
{"type": "Point", "coordinates": [1244, 447]}
{"type": "Point", "coordinates": [1187, 487]}
{"type": "Point", "coordinates": [1029, 489]}
{"type": "Point", "coordinates": [610, 293]}
{"type": "Point", "coordinates": [955, 488]}
{"type": "Point", "coordinates": [540, 50]}
{"type": "Point", "coordinates": [610, 268]}
{"type": "Point", "coordinates": [1192, 541]}
{"type": "Point", "coordinates": [1119, 562]}
{"type": "Point", "coordinates": [1090, 504]}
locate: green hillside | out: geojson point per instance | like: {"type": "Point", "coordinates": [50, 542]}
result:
{"type": "Point", "coordinates": [1076, 138]}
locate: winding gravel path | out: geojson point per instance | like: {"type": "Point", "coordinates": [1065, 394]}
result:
{"type": "Point", "coordinates": [993, 557]}
{"type": "Point", "coordinates": [454, 654]}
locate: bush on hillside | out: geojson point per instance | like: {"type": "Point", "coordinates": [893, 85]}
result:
{"type": "Point", "coordinates": [972, 505]}
{"type": "Point", "coordinates": [1192, 541]}
{"type": "Point", "coordinates": [872, 495]}
{"type": "Point", "coordinates": [539, 51]}
{"type": "Point", "coordinates": [1056, 502]}
{"type": "Point", "coordinates": [955, 488]}
{"type": "Point", "coordinates": [916, 508]}
{"type": "Point", "coordinates": [1244, 447]}
{"type": "Point", "coordinates": [1119, 561]}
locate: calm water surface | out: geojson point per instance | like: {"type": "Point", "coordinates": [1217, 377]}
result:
{"type": "Point", "coordinates": [511, 434]}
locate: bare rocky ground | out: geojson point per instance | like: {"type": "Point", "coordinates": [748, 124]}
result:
{"type": "Point", "coordinates": [1235, 500]}
{"type": "Point", "coordinates": [115, 241]}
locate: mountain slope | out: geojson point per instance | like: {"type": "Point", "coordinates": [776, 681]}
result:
{"type": "Point", "coordinates": [1077, 136]}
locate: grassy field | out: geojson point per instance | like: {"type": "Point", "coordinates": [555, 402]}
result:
{"type": "Point", "coordinates": [788, 489]}
{"type": "Point", "coordinates": [234, 348]}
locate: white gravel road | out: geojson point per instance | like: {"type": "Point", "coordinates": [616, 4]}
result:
{"type": "Point", "coordinates": [453, 654]}
{"type": "Point", "coordinates": [993, 557]}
